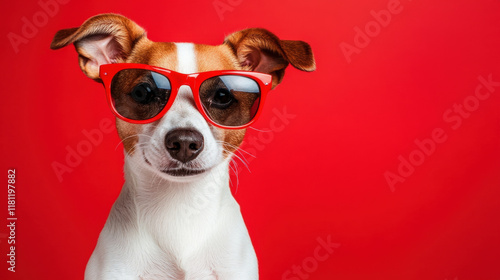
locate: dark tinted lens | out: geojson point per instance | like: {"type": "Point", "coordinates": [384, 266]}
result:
{"type": "Point", "coordinates": [139, 94]}
{"type": "Point", "coordinates": [230, 100]}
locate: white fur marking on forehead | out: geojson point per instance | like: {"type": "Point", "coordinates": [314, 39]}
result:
{"type": "Point", "coordinates": [186, 58]}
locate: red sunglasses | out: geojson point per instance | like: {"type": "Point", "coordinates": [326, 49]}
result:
{"type": "Point", "coordinates": [139, 93]}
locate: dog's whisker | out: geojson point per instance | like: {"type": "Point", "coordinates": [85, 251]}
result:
{"type": "Point", "coordinates": [234, 168]}
{"type": "Point", "coordinates": [243, 161]}
{"type": "Point", "coordinates": [237, 148]}
{"type": "Point", "coordinates": [241, 158]}
{"type": "Point", "coordinates": [131, 136]}
{"type": "Point", "coordinates": [253, 128]}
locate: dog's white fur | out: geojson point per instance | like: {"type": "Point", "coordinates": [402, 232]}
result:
{"type": "Point", "coordinates": [171, 228]}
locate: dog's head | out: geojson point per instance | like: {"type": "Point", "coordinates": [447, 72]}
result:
{"type": "Point", "coordinates": [181, 143]}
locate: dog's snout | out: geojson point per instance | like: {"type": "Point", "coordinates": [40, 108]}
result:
{"type": "Point", "coordinates": [184, 144]}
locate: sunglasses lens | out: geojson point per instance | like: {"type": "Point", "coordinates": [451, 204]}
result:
{"type": "Point", "coordinates": [139, 94]}
{"type": "Point", "coordinates": [230, 100]}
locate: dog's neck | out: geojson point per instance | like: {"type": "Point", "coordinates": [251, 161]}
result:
{"type": "Point", "coordinates": [160, 201]}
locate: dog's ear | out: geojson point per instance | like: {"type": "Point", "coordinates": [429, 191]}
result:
{"type": "Point", "coordinates": [102, 39]}
{"type": "Point", "coordinates": [261, 51]}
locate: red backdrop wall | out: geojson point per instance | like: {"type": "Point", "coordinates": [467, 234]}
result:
{"type": "Point", "coordinates": [382, 164]}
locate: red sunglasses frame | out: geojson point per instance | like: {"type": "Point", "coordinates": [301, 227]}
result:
{"type": "Point", "coordinates": [194, 81]}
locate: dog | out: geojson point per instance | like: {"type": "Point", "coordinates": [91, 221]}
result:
{"type": "Point", "coordinates": [182, 110]}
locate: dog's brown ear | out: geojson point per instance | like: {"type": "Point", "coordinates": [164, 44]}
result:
{"type": "Point", "coordinates": [102, 39]}
{"type": "Point", "coordinates": [261, 51]}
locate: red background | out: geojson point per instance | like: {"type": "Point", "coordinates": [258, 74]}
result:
{"type": "Point", "coordinates": [321, 176]}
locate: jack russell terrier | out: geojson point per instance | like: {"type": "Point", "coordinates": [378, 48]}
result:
{"type": "Point", "coordinates": [182, 110]}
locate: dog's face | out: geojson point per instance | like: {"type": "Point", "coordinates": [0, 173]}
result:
{"type": "Point", "coordinates": [181, 144]}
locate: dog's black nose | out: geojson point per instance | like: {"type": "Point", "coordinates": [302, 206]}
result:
{"type": "Point", "coordinates": [184, 144]}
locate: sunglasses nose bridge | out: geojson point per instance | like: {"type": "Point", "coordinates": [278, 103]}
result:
{"type": "Point", "coordinates": [186, 80]}
{"type": "Point", "coordinates": [186, 86]}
